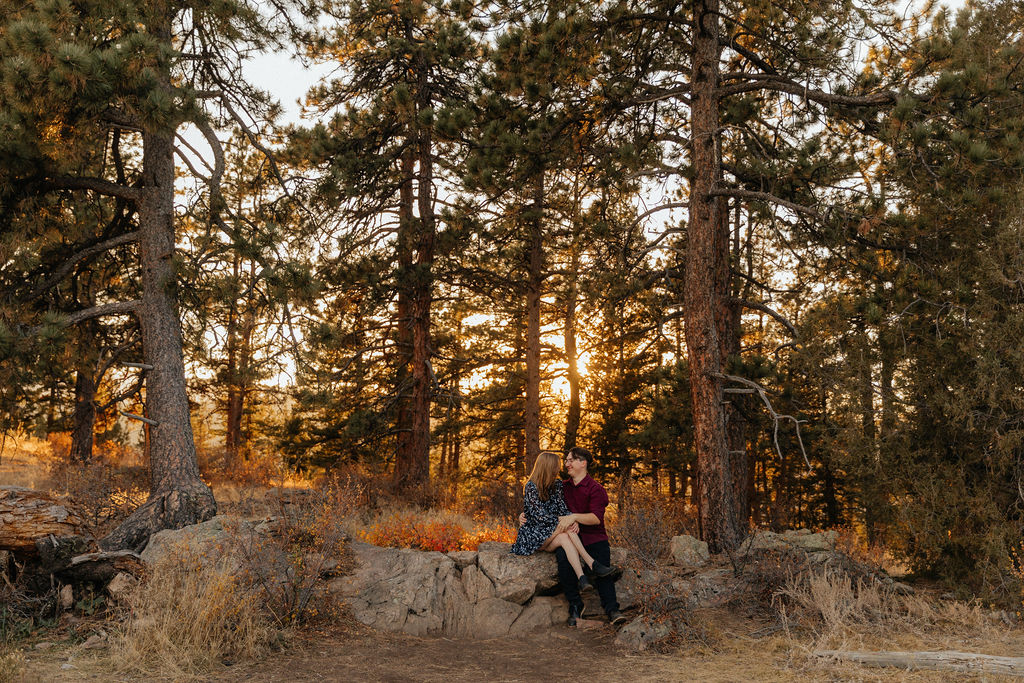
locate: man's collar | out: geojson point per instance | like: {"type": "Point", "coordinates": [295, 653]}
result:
{"type": "Point", "coordinates": [578, 483]}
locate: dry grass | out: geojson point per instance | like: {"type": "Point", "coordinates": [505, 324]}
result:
{"type": "Point", "coordinates": [828, 610]}
{"type": "Point", "coordinates": [189, 616]}
{"type": "Point", "coordinates": [12, 663]}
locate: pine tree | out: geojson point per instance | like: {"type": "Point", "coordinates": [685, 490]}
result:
{"type": "Point", "coordinates": [72, 75]}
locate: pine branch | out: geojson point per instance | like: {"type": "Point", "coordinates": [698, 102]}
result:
{"type": "Point", "coordinates": [115, 308]}
{"type": "Point", "coordinates": [66, 267]}
{"type": "Point", "coordinates": [764, 197]}
{"type": "Point", "coordinates": [98, 185]}
{"type": "Point", "coordinates": [765, 309]}
{"type": "Point", "coordinates": [779, 83]}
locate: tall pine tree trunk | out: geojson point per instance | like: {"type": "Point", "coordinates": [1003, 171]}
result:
{"type": "Point", "coordinates": [178, 496]}
{"type": "Point", "coordinates": [531, 414]}
{"type": "Point", "coordinates": [404, 450]}
{"type": "Point", "coordinates": [729, 333]}
{"type": "Point", "coordinates": [417, 468]}
{"type": "Point", "coordinates": [572, 418]}
{"type": "Point", "coordinates": [84, 416]}
{"type": "Point", "coordinates": [233, 420]}
{"type": "Point", "coordinates": [719, 525]}
{"type": "Point", "coordinates": [83, 424]}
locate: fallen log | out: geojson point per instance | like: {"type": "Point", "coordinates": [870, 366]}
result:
{"type": "Point", "coordinates": [27, 515]}
{"type": "Point", "coordinates": [101, 567]}
{"type": "Point", "coordinates": [947, 660]}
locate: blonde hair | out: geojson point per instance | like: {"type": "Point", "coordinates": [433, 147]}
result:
{"type": "Point", "coordinates": [545, 472]}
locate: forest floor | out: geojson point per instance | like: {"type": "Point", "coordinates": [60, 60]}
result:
{"type": "Point", "coordinates": [728, 650]}
{"type": "Point", "coordinates": [741, 642]}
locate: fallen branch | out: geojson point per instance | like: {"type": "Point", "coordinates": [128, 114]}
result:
{"type": "Point", "coordinates": [933, 661]}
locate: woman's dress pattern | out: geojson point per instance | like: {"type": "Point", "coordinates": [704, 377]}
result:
{"type": "Point", "coordinates": [541, 518]}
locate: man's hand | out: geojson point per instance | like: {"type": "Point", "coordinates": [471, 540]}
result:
{"type": "Point", "coordinates": [564, 522]}
{"type": "Point", "coordinates": [522, 518]}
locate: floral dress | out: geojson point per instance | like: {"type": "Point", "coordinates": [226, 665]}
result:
{"type": "Point", "coordinates": [541, 518]}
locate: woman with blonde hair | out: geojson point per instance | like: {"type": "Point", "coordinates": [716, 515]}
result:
{"type": "Point", "coordinates": [543, 505]}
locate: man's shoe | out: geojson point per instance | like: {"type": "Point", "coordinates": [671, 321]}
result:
{"type": "Point", "coordinates": [585, 584]}
{"type": "Point", "coordinates": [615, 617]}
{"type": "Point", "coordinates": [574, 614]}
{"type": "Point", "coordinates": [602, 571]}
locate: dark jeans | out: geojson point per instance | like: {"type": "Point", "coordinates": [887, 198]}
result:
{"type": "Point", "coordinates": [600, 551]}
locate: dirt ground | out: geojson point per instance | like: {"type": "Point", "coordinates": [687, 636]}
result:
{"type": "Point", "coordinates": [355, 653]}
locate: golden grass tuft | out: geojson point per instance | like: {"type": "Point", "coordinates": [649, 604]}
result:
{"type": "Point", "coordinates": [12, 664]}
{"type": "Point", "coordinates": [190, 615]}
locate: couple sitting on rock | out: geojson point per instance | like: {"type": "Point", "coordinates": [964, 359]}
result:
{"type": "Point", "coordinates": [567, 518]}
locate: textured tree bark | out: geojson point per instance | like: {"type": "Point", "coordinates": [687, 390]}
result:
{"type": "Point", "coordinates": [403, 315]}
{"type": "Point", "coordinates": [719, 526]}
{"type": "Point", "coordinates": [531, 412]}
{"type": "Point", "coordinates": [728, 320]}
{"type": "Point", "coordinates": [178, 496]}
{"type": "Point", "coordinates": [572, 419]}
{"type": "Point", "coordinates": [27, 515]}
{"type": "Point", "coordinates": [84, 416]}
{"type": "Point", "coordinates": [422, 376]}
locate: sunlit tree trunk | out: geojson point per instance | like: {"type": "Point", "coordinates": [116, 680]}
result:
{"type": "Point", "coordinates": [718, 520]}
{"type": "Point", "coordinates": [178, 496]}
{"type": "Point", "coordinates": [531, 415]}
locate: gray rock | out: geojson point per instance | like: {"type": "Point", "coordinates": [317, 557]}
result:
{"type": "Point", "coordinates": [518, 578]}
{"type": "Point", "coordinates": [463, 558]}
{"type": "Point", "coordinates": [808, 542]}
{"type": "Point", "coordinates": [687, 551]}
{"type": "Point", "coordinates": [493, 618]}
{"type": "Point", "coordinates": [640, 634]}
{"type": "Point", "coordinates": [476, 584]}
{"type": "Point", "coordinates": [400, 589]}
{"type": "Point", "coordinates": [121, 585]}
{"type": "Point", "coordinates": [198, 537]}
{"type": "Point", "coordinates": [67, 597]}
{"type": "Point", "coordinates": [541, 613]}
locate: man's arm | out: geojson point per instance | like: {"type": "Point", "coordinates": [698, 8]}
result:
{"type": "Point", "coordinates": [577, 518]}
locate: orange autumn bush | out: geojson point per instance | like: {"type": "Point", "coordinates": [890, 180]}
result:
{"type": "Point", "coordinates": [442, 535]}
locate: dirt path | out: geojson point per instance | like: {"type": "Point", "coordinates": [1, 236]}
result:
{"type": "Point", "coordinates": [360, 654]}
{"type": "Point", "coordinates": [395, 658]}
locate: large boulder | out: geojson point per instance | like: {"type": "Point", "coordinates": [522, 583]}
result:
{"type": "Point", "coordinates": [517, 578]}
{"type": "Point", "coordinates": [400, 589]}
{"type": "Point", "coordinates": [206, 536]}
{"type": "Point", "coordinates": [687, 551]}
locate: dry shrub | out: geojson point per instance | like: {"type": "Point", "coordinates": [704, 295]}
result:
{"type": "Point", "coordinates": [494, 499]}
{"type": "Point", "coordinates": [833, 605]}
{"type": "Point", "coordinates": [189, 615]}
{"type": "Point", "coordinates": [436, 530]}
{"type": "Point", "coordinates": [12, 664]}
{"type": "Point", "coordinates": [305, 544]}
{"type": "Point", "coordinates": [105, 490]}
{"type": "Point", "coordinates": [644, 522]}
{"type": "Point", "coordinates": [258, 468]}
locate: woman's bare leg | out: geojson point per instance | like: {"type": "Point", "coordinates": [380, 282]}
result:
{"type": "Point", "coordinates": [562, 540]}
{"type": "Point", "coordinates": [578, 544]}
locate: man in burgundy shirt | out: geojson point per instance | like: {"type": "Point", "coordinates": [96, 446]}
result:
{"type": "Point", "coordinates": [586, 499]}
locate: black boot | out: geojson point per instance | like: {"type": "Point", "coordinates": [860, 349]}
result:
{"type": "Point", "coordinates": [601, 570]}
{"type": "Point", "coordinates": [585, 584]}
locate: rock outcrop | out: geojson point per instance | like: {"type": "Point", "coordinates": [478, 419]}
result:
{"type": "Point", "coordinates": [487, 593]}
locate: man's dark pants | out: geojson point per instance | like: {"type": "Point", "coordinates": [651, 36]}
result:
{"type": "Point", "coordinates": [600, 551]}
